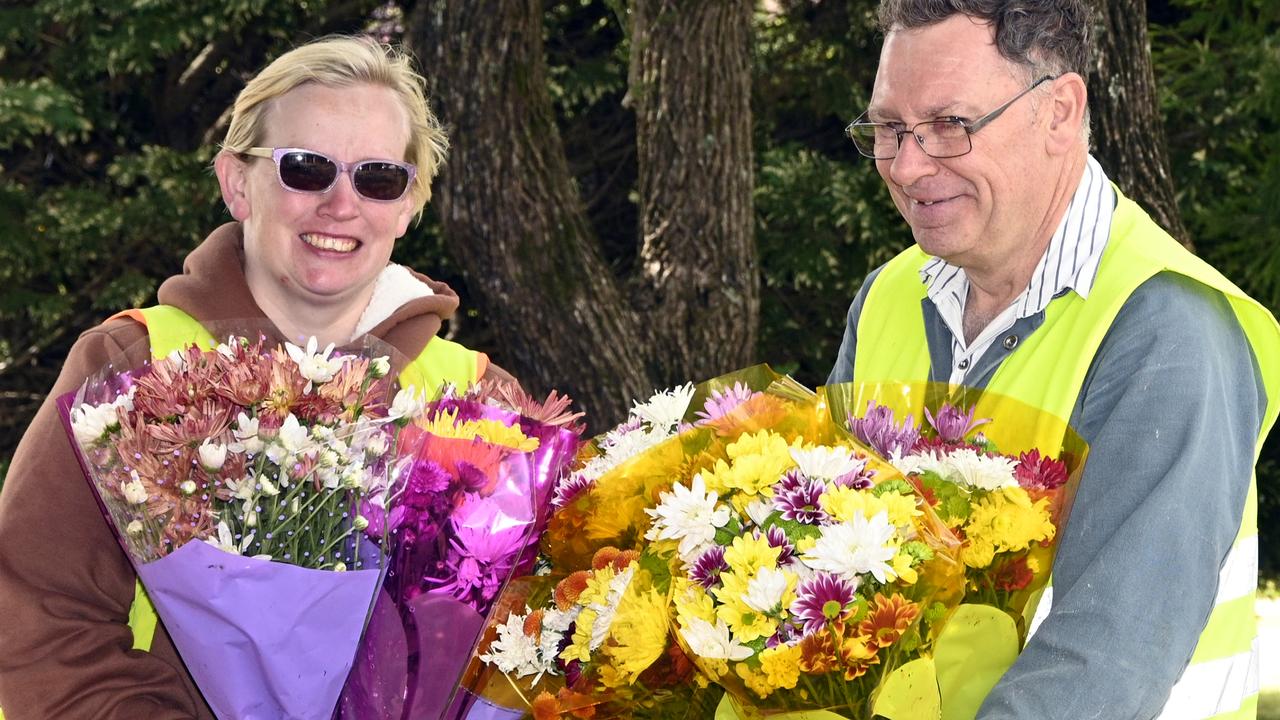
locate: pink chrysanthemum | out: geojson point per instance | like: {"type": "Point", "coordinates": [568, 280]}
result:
{"type": "Point", "coordinates": [798, 498]}
{"type": "Point", "coordinates": [778, 539]}
{"type": "Point", "coordinates": [706, 571]}
{"type": "Point", "coordinates": [722, 402]}
{"type": "Point", "coordinates": [570, 489]}
{"type": "Point", "coordinates": [821, 599]}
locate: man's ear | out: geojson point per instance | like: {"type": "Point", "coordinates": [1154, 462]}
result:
{"type": "Point", "coordinates": [1067, 104]}
{"type": "Point", "coordinates": [233, 179]}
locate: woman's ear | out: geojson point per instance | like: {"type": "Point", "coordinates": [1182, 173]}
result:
{"type": "Point", "coordinates": [233, 179]}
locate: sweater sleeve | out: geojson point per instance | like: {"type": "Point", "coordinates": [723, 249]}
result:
{"type": "Point", "coordinates": [65, 584]}
{"type": "Point", "coordinates": [1171, 407]}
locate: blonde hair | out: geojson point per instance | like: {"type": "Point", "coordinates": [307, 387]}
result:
{"type": "Point", "coordinates": [342, 61]}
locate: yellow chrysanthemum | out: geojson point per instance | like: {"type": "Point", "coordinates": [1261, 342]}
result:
{"type": "Point", "coordinates": [901, 564]}
{"type": "Point", "coordinates": [639, 633]}
{"type": "Point", "coordinates": [617, 518]}
{"type": "Point", "coordinates": [757, 461]}
{"type": "Point", "coordinates": [1006, 520]}
{"type": "Point", "coordinates": [745, 622]}
{"type": "Point", "coordinates": [492, 431]}
{"type": "Point", "coordinates": [755, 680]}
{"type": "Point", "coordinates": [580, 647]}
{"type": "Point", "coordinates": [902, 509]}
{"type": "Point", "coordinates": [843, 503]}
{"type": "Point", "coordinates": [510, 436]}
{"type": "Point", "coordinates": [781, 665]}
{"type": "Point", "coordinates": [597, 590]}
{"type": "Point", "coordinates": [692, 601]}
{"type": "Point", "coordinates": [748, 554]}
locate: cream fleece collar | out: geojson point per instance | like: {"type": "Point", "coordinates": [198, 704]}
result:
{"type": "Point", "coordinates": [394, 287]}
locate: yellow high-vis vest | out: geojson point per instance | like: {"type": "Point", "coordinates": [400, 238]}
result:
{"type": "Point", "coordinates": [172, 329]}
{"type": "Point", "coordinates": [1047, 371]}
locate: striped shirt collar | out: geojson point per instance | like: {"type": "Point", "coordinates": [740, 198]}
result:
{"type": "Point", "coordinates": [1069, 262]}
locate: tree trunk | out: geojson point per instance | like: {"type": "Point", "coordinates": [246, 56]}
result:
{"type": "Point", "coordinates": [1128, 133]}
{"type": "Point", "coordinates": [690, 82]}
{"type": "Point", "coordinates": [513, 218]}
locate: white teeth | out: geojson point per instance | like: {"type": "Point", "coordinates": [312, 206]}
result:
{"type": "Point", "coordinates": [325, 242]}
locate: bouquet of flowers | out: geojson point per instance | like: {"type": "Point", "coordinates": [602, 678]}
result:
{"type": "Point", "coordinates": [797, 566]}
{"type": "Point", "coordinates": [239, 482]}
{"type": "Point", "coordinates": [468, 509]}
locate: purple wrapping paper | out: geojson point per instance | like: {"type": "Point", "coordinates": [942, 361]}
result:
{"type": "Point", "coordinates": [262, 640]}
{"type": "Point", "coordinates": [439, 620]}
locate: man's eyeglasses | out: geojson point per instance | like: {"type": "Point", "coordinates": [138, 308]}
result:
{"type": "Point", "coordinates": [946, 138]}
{"type": "Point", "coordinates": [307, 171]}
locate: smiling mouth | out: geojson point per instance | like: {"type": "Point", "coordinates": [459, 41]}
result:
{"type": "Point", "coordinates": [328, 242]}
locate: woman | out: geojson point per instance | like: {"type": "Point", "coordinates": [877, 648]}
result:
{"type": "Point", "coordinates": [329, 155]}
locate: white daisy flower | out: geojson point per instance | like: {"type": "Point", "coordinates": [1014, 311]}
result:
{"type": "Point", "coordinates": [135, 493]}
{"type": "Point", "coordinates": [826, 463]}
{"type": "Point", "coordinates": [713, 642]}
{"type": "Point", "coordinates": [759, 511]}
{"type": "Point", "coordinates": [764, 591]}
{"type": "Point", "coordinates": [855, 548]}
{"type": "Point", "coordinates": [969, 467]}
{"type": "Point", "coordinates": [689, 515]}
{"type": "Point", "coordinates": [515, 652]}
{"type": "Point", "coordinates": [90, 422]}
{"type": "Point", "coordinates": [666, 408]}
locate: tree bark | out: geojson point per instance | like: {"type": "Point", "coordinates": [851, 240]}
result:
{"type": "Point", "coordinates": [690, 82]}
{"type": "Point", "coordinates": [1127, 130]}
{"type": "Point", "coordinates": [513, 218]}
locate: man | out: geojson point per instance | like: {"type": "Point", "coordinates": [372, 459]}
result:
{"type": "Point", "coordinates": [1034, 277]}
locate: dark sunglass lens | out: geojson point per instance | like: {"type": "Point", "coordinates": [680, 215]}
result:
{"type": "Point", "coordinates": [381, 181]}
{"type": "Point", "coordinates": [307, 172]}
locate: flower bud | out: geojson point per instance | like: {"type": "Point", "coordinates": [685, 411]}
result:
{"type": "Point", "coordinates": [134, 528]}
{"type": "Point", "coordinates": [379, 367]}
{"type": "Point", "coordinates": [212, 455]}
{"type": "Point", "coordinates": [360, 523]}
{"type": "Point", "coordinates": [188, 487]}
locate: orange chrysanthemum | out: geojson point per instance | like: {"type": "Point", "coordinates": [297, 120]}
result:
{"type": "Point", "coordinates": [817, 653]}
{"type": "Point", "coordinates": [533, 624]}
{"type": "Point", "coordinates": [569, 589]}
{"type": "Point", "coordinates": [545, 706]}
{"type": "Point", "coordinates": [887, 619]}
{"type": "Point", "coordinates": [604, 557]}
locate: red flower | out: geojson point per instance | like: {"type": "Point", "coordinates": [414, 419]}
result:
{"type": "Point", "coordinates": [1036, 472]}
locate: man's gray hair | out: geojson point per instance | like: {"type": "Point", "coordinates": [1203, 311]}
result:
{"type": "Point", "coordinates": [1046, 37]}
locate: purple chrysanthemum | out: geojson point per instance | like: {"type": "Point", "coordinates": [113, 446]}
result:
{"type": "Point", "coordinates": [777, 538]}
{"type": "Point", "coordinates": [570, 489]}
{"type": "Point", "coordinates": [878, 429]}
{"type": "Point", "coordinates": [799, 500]}
{"type": "Point", "coordinates": [952, 423]}
{"type": "Point", "coordinates": [821, 599]}
{"type": "Point", "coordinates": [722, 402]}
{"type": "Point", "coordinates": [706, 570]}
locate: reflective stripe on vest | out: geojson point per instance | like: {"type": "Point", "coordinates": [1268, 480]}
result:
{"type": "Point", "coordinates": [892, 348]}
{"type": "Point", "coordinates": [169, 329]}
